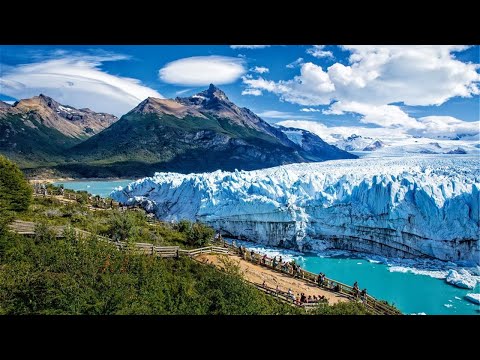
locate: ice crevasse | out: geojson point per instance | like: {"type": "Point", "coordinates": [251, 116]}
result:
{"type": "Point", "coordinates": [425, 206]}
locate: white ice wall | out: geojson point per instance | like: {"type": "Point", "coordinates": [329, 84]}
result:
{"type": "Point", "coordinates": [426, 205]}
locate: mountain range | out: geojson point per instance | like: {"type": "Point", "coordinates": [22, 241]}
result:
{"type": "Point", "coordinates": [204, 132]}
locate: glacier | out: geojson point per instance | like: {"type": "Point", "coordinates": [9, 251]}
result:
{"type": "Point", "coordinates": [411, 207]}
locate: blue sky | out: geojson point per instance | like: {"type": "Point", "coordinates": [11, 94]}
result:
{"type": "Point", "coordinates": [411, 89]}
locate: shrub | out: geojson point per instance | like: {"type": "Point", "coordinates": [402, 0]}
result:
{"type": "Point", "coordinates": [342, 308]}
{"type": "Point", "coordinates": [15, 192]}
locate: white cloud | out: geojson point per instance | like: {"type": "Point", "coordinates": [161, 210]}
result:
{"type": "Point", "coordinates": [380, 75]}
{"type": "Point", "coordinates": [310, 110]}
{"type": "Point", "coordinates": [318, 52]}
{"type": "Point", "coordinates": [376, 77]}
{"type": "Point", "coordinates": [203, 70]}
{"type": "Point", "coordinates": [444, 126]}
{"type": "Point", "coordinates": [295, 63]}
{"type": "Point", "coordinates": [260, 69]}
{"type": "Point", "coordinates": [383, 115]}
{"type": "Point", "coordinates": [415, 75]}
{"type": "Point", "coordinates": [76, 80]}
{"type": "Point", "coordinates": [253, 92]}
{"type": "Point", "coordinates": [249, 46]}
{"type": "Point", "coordinates": [274, 114]}
{"type": "Point", "coordinates": [311, 87]}
{"type": "Point", "coordinates": [181, 92]}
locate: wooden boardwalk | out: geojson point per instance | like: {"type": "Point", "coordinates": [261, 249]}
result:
{"type": "Point", "coordinates": [28, 229]}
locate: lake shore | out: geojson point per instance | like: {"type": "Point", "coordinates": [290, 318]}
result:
{"type": "Point", "coordinates": [70, 179]}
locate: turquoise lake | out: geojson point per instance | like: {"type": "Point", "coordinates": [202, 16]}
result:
{"type": "Point", "coordinates": [399, 284]}
{"type": "Point", "coordinates": [101, 188]}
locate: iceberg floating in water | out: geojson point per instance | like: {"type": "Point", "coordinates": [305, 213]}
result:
{"type": "Point", "coordinates": [461, 278]}
{"type": "Point", "coordinates": [474, 298]}
{"type": "Point", "coordinates": [425, 206]}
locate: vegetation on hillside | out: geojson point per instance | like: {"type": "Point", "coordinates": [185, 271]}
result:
{"type": "Point", "coordinates": [28, 142]}
{"type": "Point", "coordinates": [15, 192]}
{"type": "Point", "coordinates": [45, 275]}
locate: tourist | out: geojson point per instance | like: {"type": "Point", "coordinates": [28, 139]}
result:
{"type": "Point", "coordinates": [274, 262]}
{"type": "Point", "coordinates": [303, 298]}
{"type": "Point", "coordinates": [280, 259]}
{"type": "Point", "coordinates": [277, 289]}
{"type": "Point", "coordinates": [252, 256]}
{"type": "Point", "coordinates": [264, 257]}
{"type": "Point", "coordinates": [263, 285]}
{"type": "Point", "coordinates": [364, 295]}
{"type": "Point", "coordinates": [355, 289]}
{"type": "Point", "coordinates": [309, 300]}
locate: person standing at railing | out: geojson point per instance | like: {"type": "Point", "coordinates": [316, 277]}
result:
{"type": "Point", "coordinates": [274, 262]}
{"type": "Point", "coordinates": [356, 290]}
{"type": "Point", "coordinates": [364, 295]}
{"type": "Point", "coordinates": [290, 294]}
{"type": "Point", "coordinates": [319, 279]}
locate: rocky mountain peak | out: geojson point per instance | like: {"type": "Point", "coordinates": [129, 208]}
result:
{"type": "Point", "coordinates": [209, 98]}
{"type": "Point", "coordinates": [66, 119]}
{"type": "Point", "coordinates": [4, 105]}
{"type": "Point", "coordinates": [213, 92]}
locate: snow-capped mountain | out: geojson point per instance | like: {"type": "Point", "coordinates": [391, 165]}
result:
{"type": "Point", "coordinates": [313, 146]}
{"type": "Point", "coordinates": [356, 142]}
{"type": "Point", "coordinates": [381, 142]}
{"type": "Point", "coordinates": [417, 206]}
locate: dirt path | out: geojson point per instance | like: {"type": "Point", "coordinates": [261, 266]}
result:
{"type": "Point", "coordinates": [259, 274]}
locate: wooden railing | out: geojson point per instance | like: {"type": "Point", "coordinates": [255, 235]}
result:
{"type": "Point", "coordinates": [369, 301]}
{"type": "Point", "coordinates": [28, 228]}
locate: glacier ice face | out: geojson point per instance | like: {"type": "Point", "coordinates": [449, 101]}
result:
{"type": "Point", "coordinates": [462, 279]}
{"type": "Point", "coordinates": [420, 206]}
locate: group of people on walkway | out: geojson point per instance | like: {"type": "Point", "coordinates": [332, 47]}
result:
{"type": "Point", "coordinates": [359, 294]}
{"type": "Point", "coordinates": [299, 299]}
{"type": "Point", "coordinates": [295, 270]}
{"type": "Point", "coordinates": [41, 189]}
{"type": "Point", "coordinates": [289, 267]}
{"type": "Point", "coordinates": [303, 299]}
